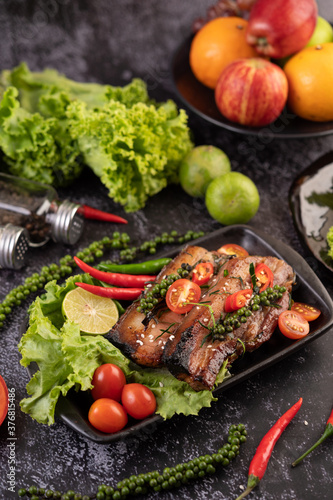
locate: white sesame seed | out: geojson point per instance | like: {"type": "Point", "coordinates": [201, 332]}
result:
{"type": "Point", "coordinates": [139, 342]}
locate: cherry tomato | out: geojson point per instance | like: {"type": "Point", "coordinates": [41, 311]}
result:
{"type": "Point", "coordinates": [293, 325]}
{"type": "Point", "coordinates": [108, 382]}
{"type": "Point", "coordinates": [202, 273]}
{"type": "Point", "coordinates": [308, 312]}
{"type": "Point", "coordinates": [3, 400]}
{"type": "Point", "coordinates": [265, 276]}
{"type": "Point", "coordinates": [233, 249]}
{"type": "Point", "coordinates": [138, 400]}
{"type": "Point", "coordinates": [180, 293]}
{"type": "Point", "coordinates": [107, 415]}
{"type": "Point", "coordinates": [237, 300]}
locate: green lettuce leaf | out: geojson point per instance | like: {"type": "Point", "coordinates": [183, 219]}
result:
{"type": "Point", "coordinates": [66, 358]}
{"type": "Point", "coordinates": [37, 87]}
{"type": "Point", "coordinates": [330, 242]}
{"type": "Point", "coordinates": [41, 344]}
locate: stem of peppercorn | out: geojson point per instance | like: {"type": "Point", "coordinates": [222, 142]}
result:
{"type": "Point", "coordinates": [170, 478]}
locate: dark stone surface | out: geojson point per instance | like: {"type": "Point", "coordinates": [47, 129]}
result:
{"type": "Point", "coordinates": [112, 42]}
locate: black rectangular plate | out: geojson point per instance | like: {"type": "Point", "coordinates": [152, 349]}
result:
{"type": "Point", "coordinates": [73, 409]}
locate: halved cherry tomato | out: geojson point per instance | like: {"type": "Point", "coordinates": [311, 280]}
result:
{"type": "Point", "coordinates": [202, 273]}
{"type": "Point", "coordinates": [108, 382]}
{"type": "Point", "coordinates": [293, 325]}
{"type": "Point", "coordinates": [265, 276]}
{"type": "Point", "coordinates": [3, 400]}
{"type": "Point", "coordinates": [233, 249]}
{"type": "Point", "coordinates": [237, 300]}
{"type": "Point", "coordinates": [180, 293]}
{"type": "Point", "coordinates": [308, 312]}
{"type": "Point", "coordinates": [107, 415]}
{"type": "Point", "coordinates": [138, 400]}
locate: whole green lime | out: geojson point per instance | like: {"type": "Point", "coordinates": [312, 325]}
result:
{"type": "Point", "coordinates": [323, 33]}
{"type": "Point", "coordinates": [200, 167]}
{"type": "Point", "coordinates": [232, 198]}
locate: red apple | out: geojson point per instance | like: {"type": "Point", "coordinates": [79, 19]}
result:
{"type": "Point", "coordinates": [278, 28]}
{"type": "Point", "coordinates": [251, 92]}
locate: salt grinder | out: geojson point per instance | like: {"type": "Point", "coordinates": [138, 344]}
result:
{"type": "Point", "coordinates": [14, 243]}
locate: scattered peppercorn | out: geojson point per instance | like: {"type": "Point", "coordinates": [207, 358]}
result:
{"type": "Point", "coordinates": [154, 481]}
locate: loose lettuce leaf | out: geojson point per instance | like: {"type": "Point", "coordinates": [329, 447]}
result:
{"type": "Point", "coordinates": [34, 86]}
{"type": "Point", "coordinates": [85, 353]}
{"type": "Point", "coordinates": [42, 344]}
{"type": "Point", "coordinates": [172, 395]}
{"type": "Point", "coordinates": [66, 358]}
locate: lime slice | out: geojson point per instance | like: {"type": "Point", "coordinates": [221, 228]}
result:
{"type": "Point", "coordinates": [94, 314]}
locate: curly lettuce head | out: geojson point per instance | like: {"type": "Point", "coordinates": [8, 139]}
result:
{"type": "Point", "coordinates": [50, 126]}
{"type": "Point", "coordinates": [135, 151]}
{"type": "Point", "coordinates": [35, 147]}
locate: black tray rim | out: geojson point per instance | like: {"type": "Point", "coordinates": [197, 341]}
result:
{"type": "Point", "coordinates": [294, 201]}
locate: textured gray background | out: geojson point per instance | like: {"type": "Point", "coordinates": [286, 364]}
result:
{"type": "Point", "coordinates": [111, 42]}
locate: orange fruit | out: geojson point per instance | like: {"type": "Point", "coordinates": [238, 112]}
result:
{"type": "Point", "coordinates": [310, 78]}
{"type": "Point", "coordinates": [217, 44]}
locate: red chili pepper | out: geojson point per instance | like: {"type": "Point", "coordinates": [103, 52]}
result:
{"type": "Point", "coordinates": [260, 460]}
{"type": "Point", "coordinates": [112, 293]}
{"type": "Point", "coordinates": [117, 279]}
{"type": "Point", "coordinates": [328, 432]}
{"type": "Point", "coordinates": [94, 213]}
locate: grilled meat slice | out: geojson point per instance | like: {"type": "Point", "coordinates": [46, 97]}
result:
{"type": "Point", "coordinates": [191, 356]}
{"type": "Point", "coordinates": [142, 338]}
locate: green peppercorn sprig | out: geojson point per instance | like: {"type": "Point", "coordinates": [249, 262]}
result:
{"type": "Point", "coordinates": [154, 294]}
{"type": "Point", "coordinates": [150, 247]}
{"type": "Point", "coordinates": [169, 478]}
{"type": "Point", "coordinates": [96, 250]}
{"type": "Point", "coordinates": [225, 326]}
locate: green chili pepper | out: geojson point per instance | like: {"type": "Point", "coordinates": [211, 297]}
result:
{"type": "Point", "coordinates": [147, 267]}
{"type": "Point", "coordinates": [328, 432]}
